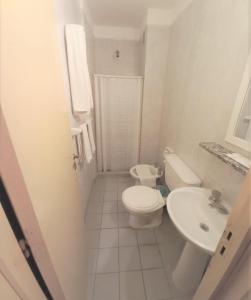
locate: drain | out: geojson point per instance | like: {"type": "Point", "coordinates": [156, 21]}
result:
{"type": "Point", "coordinates": [204, 227]}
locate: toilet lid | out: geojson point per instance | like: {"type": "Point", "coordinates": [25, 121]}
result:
{"type": "Point", "coordinates": [142, 198]}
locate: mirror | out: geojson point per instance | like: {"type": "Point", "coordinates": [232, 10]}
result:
{"type": "Point", "coordinates": [239, 130]}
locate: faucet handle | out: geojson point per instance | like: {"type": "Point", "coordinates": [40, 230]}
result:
{"type": "Point", "coordinates": [215, 196]}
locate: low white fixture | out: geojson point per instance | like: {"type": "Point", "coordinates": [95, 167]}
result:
{"type": "Point", "coordinates": [202, 225]}
{"type": "Point", "coordinates": [145, 205]}
{"type": "Point", "coordinates": [145, 175]}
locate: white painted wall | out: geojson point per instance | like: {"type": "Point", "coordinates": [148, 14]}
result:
{"type": "Point", "coordinates": [38, 122]}
{"type": "Point", "coordinates": [6, 291]}
{"type": "Point", "coordinates": [117, 33]}
{"type": "Point", "coordinates": [208, 48]}
{"type": "Point", "coordinates": [155, 57]}
{"type": "Point", "coordinates": [70, 12]}
{"type": "Point", "coordinates": [129, 62]}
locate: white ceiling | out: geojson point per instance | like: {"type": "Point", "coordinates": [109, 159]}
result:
{"type": "Point", "coordinates": [129, 13]}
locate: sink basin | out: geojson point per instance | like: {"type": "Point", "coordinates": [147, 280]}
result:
{"type": "Point", "coordinates": [202, 226]}
{"type": "Point", "coordinates": [198, 222]}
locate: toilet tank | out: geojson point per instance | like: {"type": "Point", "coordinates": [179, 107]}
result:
{"type": "Point", "coordinates": [177, 173]}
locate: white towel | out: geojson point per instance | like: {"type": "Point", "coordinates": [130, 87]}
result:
{"type": "Point", "coordinates": [81, 91]}
{"type": "Point", "coordinates": [86, 143]}
{"type": "Point", "coordinates": [91, 137]}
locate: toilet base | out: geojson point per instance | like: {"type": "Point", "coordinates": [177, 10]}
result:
{"type": "Point", "coordinates": [140, 221]}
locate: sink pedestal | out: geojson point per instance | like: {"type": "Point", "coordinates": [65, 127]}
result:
{"type": "Point", "coordinates": [190, 268]}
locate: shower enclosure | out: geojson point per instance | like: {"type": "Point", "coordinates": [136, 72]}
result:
{"type": "Point", "coordinates": [118, 121]}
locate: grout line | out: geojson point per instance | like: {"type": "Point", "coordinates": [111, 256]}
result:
{"type": "Point", "coordinates": [127, 271]}
{"type": "Point", "coordinates": [142, 276]}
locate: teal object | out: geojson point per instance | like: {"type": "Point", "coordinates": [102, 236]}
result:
{"type": "Point", "coordinates": [163, 190]}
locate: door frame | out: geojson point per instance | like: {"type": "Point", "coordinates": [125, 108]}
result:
{"type": "Point", "coordinates": [15, 186]}
{"type": "Point", "coordinates": [233, 242]}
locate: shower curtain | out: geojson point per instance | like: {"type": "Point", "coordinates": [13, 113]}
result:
{"type": "Point", "coordinates": [118, 121]}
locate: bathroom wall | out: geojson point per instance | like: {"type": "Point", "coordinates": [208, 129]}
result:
{"type": "Point", "coordinates": [208, 48]}
{"type": "Point", "coordinates": [70, 12]}
{"type": "Point", "coordinates": [129, 62]}
{"type": "Point", "coordinates": [36, 114]}
{"type": "Point", "coordinates": [155, 58]}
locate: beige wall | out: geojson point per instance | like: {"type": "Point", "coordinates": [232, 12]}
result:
{"type": "Point", "coordinates": [155, 57]}
{"type": "Point", "coordinates": [34, 105]}
{"type": "Point", "coordinates": [129, 62]}
{"type": "Point", "coordinates": [6, 291]}
{"type": "Point", "coordinates": [208, 49]}
{"type": "Point", "coordinates": [70, 12]}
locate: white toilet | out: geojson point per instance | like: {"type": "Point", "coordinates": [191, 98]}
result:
{"type": "Point", "coordinates": [145, 205]}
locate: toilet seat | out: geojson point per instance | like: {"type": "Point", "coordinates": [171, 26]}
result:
{"type": "Point", "coordinates": [142, 199]}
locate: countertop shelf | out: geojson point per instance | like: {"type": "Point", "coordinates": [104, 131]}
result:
{"type": "Point", "coordinates": [221, 152]}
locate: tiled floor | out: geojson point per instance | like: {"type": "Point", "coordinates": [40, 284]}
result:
{"type": "Point", "coordinates": [128, 264]}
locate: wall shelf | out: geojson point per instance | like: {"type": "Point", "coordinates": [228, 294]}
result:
{"type": "Point", "coordinates": [221, 152]}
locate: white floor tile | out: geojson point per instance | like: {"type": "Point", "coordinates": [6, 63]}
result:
{"type": "Point", "coordinates": [174, 291]}
{"type": "Point", "coordinates": [93, 221]}
{"type": "Point", "coordinates": [109, 221]}
{"type": "Point", "coordinates": [166, 232]}
{"type": "Point", "coordinates": [92, 260]}
{"type": "Point", "coordinates": [127, 237]}
{"type": "Point", "coordinates": [131, 286]}
{"type": "Point", "coordinates": [124, 178]}
{"type": "Point", "coordinates": [110, 196]}
{"type": "Point", "coordinates": [106, 287]}
{"type": "Point", "coordinates": [94, 238]}
{"type": "Point", "coordinates": [111, 186]}
{"type": "Point", "coordinates": [90, 287]}
{"type": "Point", "coordinates": [108, 260]}
{"type": "Point", "coordinates": [183, 298]}
{"type": "Point", "coordinates": [146, 236]}
{"type": "Point", "coordinates": [162, 234]}
{"type": "Point", "coordinates": [150, 257]}
{"type": "Point", "coordinates": [129, 259]}
{"type": "Point", "coordinates": [110, 207]}
{"type": "Point", "coordinates": [123, 219]}
{"type": "Point", "coordinates": [108, 238]}
{"type": "Point", "coordinates": [119, 252]}
{"type": "Point", "coordinates": [170, 253]}
{"type": "Point", "coordinates": [121, 207]}
{"type": "Point", "coordinates": [112, 178]}
{"type": "Point", "coordinates": [95, 207]}
{"type": "Point", "coordinates": [156, 284]}
{"type": "Point", "coordinates": [98, 187]}
{"type": "Point", "coordinates": [97, 195]}
{"type": "Point", "coordinates": [123, 185]}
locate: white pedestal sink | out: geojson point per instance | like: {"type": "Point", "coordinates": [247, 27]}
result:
{"type": "Point", "coordinates": [202, 227]}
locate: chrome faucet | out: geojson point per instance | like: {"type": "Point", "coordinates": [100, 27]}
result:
{"type": "Point", "coordinates": [214, 199]}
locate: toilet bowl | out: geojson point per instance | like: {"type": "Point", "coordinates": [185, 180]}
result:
{"type": "Point", "coordinates": [145, 206]}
